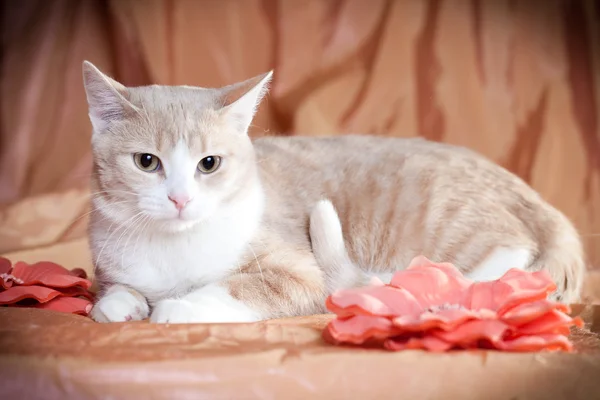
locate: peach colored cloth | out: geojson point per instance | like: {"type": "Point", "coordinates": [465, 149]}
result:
{"type": "Point", "coordinates": [59, 356]}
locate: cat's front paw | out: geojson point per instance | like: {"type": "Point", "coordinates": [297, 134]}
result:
{"type": "Point", "coordinates": [174, 311]}
{"type": "Point", "coordinates": [211, 304]}
{"type": "Point", "coordinates": [120, 306]}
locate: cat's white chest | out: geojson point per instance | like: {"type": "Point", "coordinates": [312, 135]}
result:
{"type": "Point", "coordinates": [160, 266]}
{"type": "Point", "coordinates": [170, 268]}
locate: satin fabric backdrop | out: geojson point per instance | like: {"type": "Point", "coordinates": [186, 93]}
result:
{"type": "Point", "coordinates": [518, 81]}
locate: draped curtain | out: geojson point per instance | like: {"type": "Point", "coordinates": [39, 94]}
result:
{"type": "Point", "coordinates": [517, 80]}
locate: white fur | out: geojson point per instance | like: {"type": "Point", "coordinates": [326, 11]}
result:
{"type": "Point", "coordinates": [119, 305]}
{"type": "Point", "coordinates": [330, 250]}
{"type": "Point", "coordinates": [180, 169]}
{"type": "Point", "coordinates": [212, 303]}
{"type": "Point", "coordinates": [499, 262]}
{"type": "Point", "coordinates": [166, 265]}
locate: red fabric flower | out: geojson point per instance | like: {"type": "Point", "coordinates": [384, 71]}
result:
{"type": "Point", "coordinates": [434, 307]}
{"type": "Point", "coordinates": [44, 285]}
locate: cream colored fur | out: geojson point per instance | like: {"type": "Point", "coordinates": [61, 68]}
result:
{"type": "Point", "coordinates": [240, 250]}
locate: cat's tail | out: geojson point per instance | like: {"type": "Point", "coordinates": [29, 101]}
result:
{"type": "Point", "coordinates": [329, 249]}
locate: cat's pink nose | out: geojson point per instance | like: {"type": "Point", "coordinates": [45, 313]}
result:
{"type": "Point", "coordinates": [179, 200]}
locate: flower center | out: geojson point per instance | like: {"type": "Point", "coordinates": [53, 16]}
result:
{"type": "Point", "coordinates": [445, 306]}
{"type": "Point", "coordinates": [8, 277]}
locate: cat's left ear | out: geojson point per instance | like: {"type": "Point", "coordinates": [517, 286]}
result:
{"type": "Point", "coordinates": [107, 98]}
{"type": "Point", "coordinates": [241, 100]}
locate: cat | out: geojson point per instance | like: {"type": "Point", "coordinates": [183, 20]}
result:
{"type": "Point", "coordinates": [193, 221]}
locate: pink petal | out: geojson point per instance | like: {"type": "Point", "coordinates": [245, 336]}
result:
{"type": "Point", "coordinates": [5, 269]}
{"type": "Point", "coordinates": [432, 284]}
{"type": "Point", "coordinates": [527, 312]}
{"type": "Point", "coordinates": [471, 332]}
{"type": "Point", "coordinates": [76, 291]}
{"type": "Point", "coordinates": [48, 274]}
{"type": "Point", "coordinates": [448, 268]}
{"type": "Point", "coordinates": [5, 266]}
{"type": "Point", "coordinates": [515, 287]}
{"type": "Point", "coordinates": [360, 329]}
{"type": "Point", "coordinates": [443, 319]}
{"type": "Point", "coordinates": [79, 272]}
{"type": "Point", "coordinates": [427, 342]}
{"type": "Point", "coordinates": [534, 343]}
{"type": "Point", "coordinates": [5, 281]}
{"type": "Point", "coordinates": [18, 293]}
{"type": "Point", "coordinates": [553, 321]}
{"type": "Point", "coordinates": [384, 301]}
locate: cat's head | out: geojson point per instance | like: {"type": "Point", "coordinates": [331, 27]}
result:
{"type": "Point", "coordinates": [170, 156]}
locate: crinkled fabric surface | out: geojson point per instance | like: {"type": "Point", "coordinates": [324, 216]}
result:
{"type": "Point", "coordinates": [57, 356]}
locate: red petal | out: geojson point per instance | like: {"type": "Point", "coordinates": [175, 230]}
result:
{"type": "Point", "coordinates": [550, 342]}
{"type": "Point", "coordinates": [48, 274]}
{"type": "Point", "coordinates": [5, 284]}
{"type": "Point", "coordinates": [428, 342]}
{"type": "Point", "coordinates": [515, 287]}
{"type": "Point", "coordinates": [360, 329]}
{"type": "Point", "coordinates": [448, 268]}
{"type": "Point", "coordinates": [553, 321]}
{"type": "Point", "coordinates": [527, 312]}
{"type": "Point", "coordinates": [18, 293]}
{"type": "Point", "coordinates": [471, 332]}
{"type": "Point", "coordinates": [5, 265]}
{"type": "Point", "coordinates": [383, 301]}
{"type": "Point", "coordinates": [71, 305]}
{"type": "Point", "coordinates": [443, 319]}
{"type": "Point", "coordinates": [77, 291]}
{"type": "Point", "coordinates": [5, 268]}
{"type": "Point", "coordinates": [432, 284]}
{"type": "Point", "coordinates": [79, 272]}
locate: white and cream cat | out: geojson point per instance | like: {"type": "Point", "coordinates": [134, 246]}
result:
{"type": "Point", "coordinates": [195, 222]}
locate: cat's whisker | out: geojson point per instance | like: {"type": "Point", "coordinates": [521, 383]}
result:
{"type": "Point", "coordinates": [135, 225]}
{"type": "Point", "coordinates": [241, 279]}
{"type": "Point", "coordinates": [108, 218]}
{"type": "Point", "coordinates": [143, 224]}
{"type": "Point", "coordinates": [110, 236]}
{"type": "Point", "coordinates": [146, 222]}
{"type": "Point", "coordinates": [96, 209]}
{"type": "Point", "coordinates": [260, 269]}
{"type": "Point", "coordinates": [128, 228]}
{"type": "Point", "coordinates": [111, 191]}
{"type": "Point", "coordinates": [265, 247]}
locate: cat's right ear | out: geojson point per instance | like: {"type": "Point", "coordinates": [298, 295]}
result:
{"type": "Point", "coordinates": [107, 98]}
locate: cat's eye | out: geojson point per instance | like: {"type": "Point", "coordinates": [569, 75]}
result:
{"type": "Point", "coordinates": [146, 162]}
{"type": "Point", "coordinates": [209, 164]}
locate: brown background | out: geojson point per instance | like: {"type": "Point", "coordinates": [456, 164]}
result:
{"type": "Point", "coordinates": [518, 81]}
